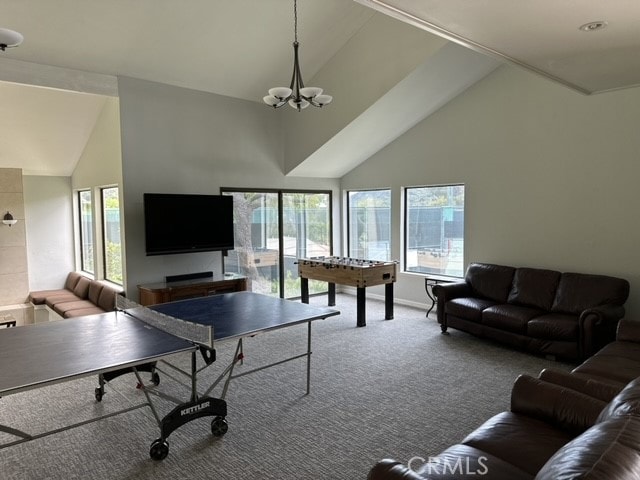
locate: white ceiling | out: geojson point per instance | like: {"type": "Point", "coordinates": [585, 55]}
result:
{"type": "Point", "coordinates": [542, 35]}
{"type": "Point", "coordinates": [240, 47]}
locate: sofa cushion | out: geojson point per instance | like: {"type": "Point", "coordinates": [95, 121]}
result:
{"type": "Point", "coordinates": [467, 308]}
{"type": "Point", "coordinates": [608, 450]}
{"type": "Point", "coordinates": [588, 386]}
{"type": "Point", "coordinates": [611, 368]}
{"type": "Point", "coordinates": [490, 281]}
{"type": "Point", "coordinates": [577, 292]}
{"type": "Point", "coordinates": [534, 287]}
{"type": "Point", "coordinates": [563, 407]}
{"type": "Point", "coordinates": [107, 300]}
{"type": "Point", "coordinates": [554, 326]}
{"type": "Point", "coordinates": [523, 441]}
{"type": "Point", "coordinates": [627, 402]}
{"type": "Point", "coordinates": [53, 300]}
{"type": "Point", "coordinates": [512, 318]}
{"type": "Point", "coordinates": [94, 291]}
{"type": "Point", "coordinates": [62, 308]}
{"type": "Point", "coordinates": [81, 312]}
{"type": "Point", "coordinates": [82, 287]}
{"type": "Point", "coordinates": [40, 297]}
{"type": "Point", "coordinates": [72, 280]}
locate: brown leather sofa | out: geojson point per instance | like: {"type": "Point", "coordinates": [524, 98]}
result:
{"type": "Point", "coordinates": [565, 315]}
{"type": "Point", "coordinates": [562, 425]}
{"type": "Point", "coordinates": [80, 296]}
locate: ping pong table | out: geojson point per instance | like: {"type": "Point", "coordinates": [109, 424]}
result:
{"type": "Point", "coordinates": [135, 338]}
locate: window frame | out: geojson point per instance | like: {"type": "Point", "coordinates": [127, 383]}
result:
{"type": "Point", "coordinates": [103, 233]}
{"type": "Point", "coordinates": [405, 230]}
{"type": "Point", "coordinates": [348, 217]}
{"type": "Point", "coordinates": [81, 231]}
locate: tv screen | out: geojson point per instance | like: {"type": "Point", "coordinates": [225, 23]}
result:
{"type": "Point", "coordinates": [183, 223]}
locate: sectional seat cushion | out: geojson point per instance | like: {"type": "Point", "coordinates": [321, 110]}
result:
{"type": "Point", "coordinates": [512, 318]}
{"type": "Point", "coordinates": [468, 308]}
{"type": "Point", "coordinates": [553, 326]}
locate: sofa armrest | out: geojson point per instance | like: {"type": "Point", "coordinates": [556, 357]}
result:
{"type": "Point", "coordinates": [448, 291]}
{"type": "Point", "coordinates": [388, 469]}
{"type": "Point", "coordinates": [597, 327]}
{"type": "Point", "coordinates": [628, 331]}
{"type": "Point", "coordinates": [563, 407]}
{"type": "Point", "coordinates": [588, 386]}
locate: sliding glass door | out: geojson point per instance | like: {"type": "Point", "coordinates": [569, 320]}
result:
{"type": "Point", "coordinates": [273, 228]}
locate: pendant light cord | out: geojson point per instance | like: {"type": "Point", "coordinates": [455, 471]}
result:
{"type": "Point", "coordinates": [295, 20]}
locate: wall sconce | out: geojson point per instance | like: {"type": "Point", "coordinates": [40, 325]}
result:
{"type": "Point", "coordinates": [9, 220]}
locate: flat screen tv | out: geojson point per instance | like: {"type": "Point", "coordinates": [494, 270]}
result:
{"type": "Point", "coordinates": [184, 223]}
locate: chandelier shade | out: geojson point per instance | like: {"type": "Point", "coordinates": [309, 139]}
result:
{"type": "Point", "coordinates": [296, 95]}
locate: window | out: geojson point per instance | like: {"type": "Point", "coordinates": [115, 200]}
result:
{"type": "Point", "coordinates": [85, 216]}
{"type": "Point", "coordinates": [272, 229]}
{"type": "Point", "coordinates": [111, 240]}
{"type": "Point", "coordinates": [434, 230]}
{"type": "Point", "coordinates": [369, 224]}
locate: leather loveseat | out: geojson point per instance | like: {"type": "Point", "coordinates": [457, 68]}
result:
{"type": "Point", "coordinates": [565, 315]}
{"type": "Point", "coordinates": [562, 425]}
{"type": "Point", "coordinates": [80, 296]}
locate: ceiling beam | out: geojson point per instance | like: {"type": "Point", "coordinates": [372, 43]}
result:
{"type": "Point", "coordinates": [47, 76]}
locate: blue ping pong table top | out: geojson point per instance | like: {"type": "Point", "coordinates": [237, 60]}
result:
{"type": "Point", "coordinates": [239, 314]}
{"type": "Point", "coordinates": [52, 352]}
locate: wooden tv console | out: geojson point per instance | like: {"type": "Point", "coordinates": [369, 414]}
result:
{"type": "Point", "coordinates": [162, 292]}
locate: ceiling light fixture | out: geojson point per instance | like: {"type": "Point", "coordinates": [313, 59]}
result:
{"type": "Point", "coordinates": [297, 95]}
{"type": "Point", "coordinates": [593, 26]}
{"type": "Point", "coordinates": [9, 220]}
{"type": "Point", "coordinates": [9, 38]}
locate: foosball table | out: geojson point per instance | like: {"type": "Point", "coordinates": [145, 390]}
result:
{"type": "Point", "coordinates": [351, 272]}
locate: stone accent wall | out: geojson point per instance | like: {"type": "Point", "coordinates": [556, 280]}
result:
{"type": "Point", "coordinates": [14, 277]}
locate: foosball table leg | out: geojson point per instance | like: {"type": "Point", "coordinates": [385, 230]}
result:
{"type": "Point", "coordinates": [361, 307]}
{"type": "Point", "coordinates": [304, 289]}
{"type": "Point", "coordinates": [388, 301]}
{"type": "Point", "coordinates": [332, 294]}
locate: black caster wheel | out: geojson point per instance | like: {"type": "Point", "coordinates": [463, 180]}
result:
{"type": "Point", "coordinates": [219, 426]}
{"type": "Point", "coordinates": [159, 449]}
{"type": "Point", "coordinates": [155, 378]}
{"type": "Point", "coordinates": [99, 393]}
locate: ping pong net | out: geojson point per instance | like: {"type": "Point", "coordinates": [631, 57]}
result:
{"type": "Point", "coordinates": [193, 332]}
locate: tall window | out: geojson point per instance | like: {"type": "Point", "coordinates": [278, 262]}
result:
{"type": "Point", "coordinates": [272, 229]}
{"type": "Point", "coordinates": [434, 230]}
{"type": "Point", "coordinates": [87, 244]}
{"type": "Point", "coordinates": [369, 220]}
{"type": "Point", "coordinates": [111, 239]}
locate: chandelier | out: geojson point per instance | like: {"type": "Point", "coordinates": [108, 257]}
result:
{"type": "Point", "coordinates": [297, 95]}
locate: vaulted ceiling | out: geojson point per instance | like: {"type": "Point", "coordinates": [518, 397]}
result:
{"type": "Point", "coordinates": [240, 48]}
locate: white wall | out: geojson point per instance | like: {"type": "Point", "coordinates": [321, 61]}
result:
{"type": "Point", "coordinates": [101, 160]}
{"type": "Point", "coordinates": [176, 140]}
{"type": "Point", "coordinates": [49, 224]}
{"type": "Point", "coordinates": [551, 176]}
